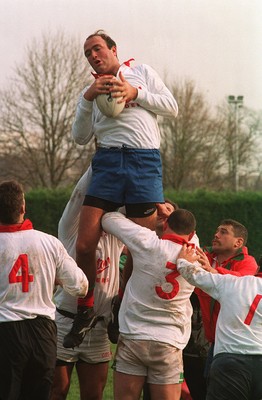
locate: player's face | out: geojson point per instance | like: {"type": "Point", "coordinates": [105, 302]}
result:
{"type": "Point", "coordinates": [169, 207]}
{"type": "Point", "coordinates": [224, 240]}
{"type": "Point", "coordinates": [102, 59]}
{"type": "Point", "coordinates": [160, 220]}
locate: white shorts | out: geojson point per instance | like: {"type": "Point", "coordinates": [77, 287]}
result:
{"type": "Point", "coordinates": [160, 362]}
{"type": "Point", "coordinates": [94, 349]}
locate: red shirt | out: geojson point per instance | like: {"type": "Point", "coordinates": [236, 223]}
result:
{"type": "Point", "coordinates": [240, 264]}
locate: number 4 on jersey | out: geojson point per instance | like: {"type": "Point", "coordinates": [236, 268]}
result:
{"type": "Point", "coordinates": [20, 273]}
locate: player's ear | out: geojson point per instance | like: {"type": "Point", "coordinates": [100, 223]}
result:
{"type": "Point", "coordinates": [191, 235]}
{"type": "Point", "coordinates": [114, 50]}
{"type": "Point", "coordinates": [239, 242]}
{"type": "Point", "coordinates": [22, 211]}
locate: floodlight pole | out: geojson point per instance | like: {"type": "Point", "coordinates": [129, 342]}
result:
{"type": "Point", "coordinates": [238, 103]}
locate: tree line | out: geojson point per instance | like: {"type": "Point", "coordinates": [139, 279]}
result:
{"type": "Point", "coordinates": [201, 148]}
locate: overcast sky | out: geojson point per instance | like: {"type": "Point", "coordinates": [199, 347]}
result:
{"type": "Point", "coordinates": [215, 43]}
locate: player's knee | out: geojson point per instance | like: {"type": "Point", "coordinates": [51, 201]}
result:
{"type": "Point", "coordinates": [60, 393]}
{"type": "Point", "coordinates": [149, 222]}
{"type": "Point", "coordinates": [87, 243]}
{"type": "Point", "coordinates": [87, 248]}
{"type": "Point", "coordinates": [141, 210]}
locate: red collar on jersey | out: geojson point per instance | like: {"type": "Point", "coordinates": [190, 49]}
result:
{"type": "Point", "coordinates": [177, 239]}
{"type": "Point", "coordinates": [26, 225]}
{"type": "Point", "coordinates": [127, 63]}
{"type": "Point", "coordinates": [239, 256]}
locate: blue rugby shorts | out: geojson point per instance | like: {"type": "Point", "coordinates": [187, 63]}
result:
{"type": "Point", "coordinates": [127, 176]}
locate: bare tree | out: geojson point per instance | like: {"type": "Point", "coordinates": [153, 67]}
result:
{"type": "Point", "coordinates": [204, 148]}
{"type": "Point", "coordinates": [254, 180]}
{"type": "Point", "coordinates": [37, 112]}
{"type": "Point", "coordinates": [190, 155]}
{"type": "Point", "coordinates": [239, 145]}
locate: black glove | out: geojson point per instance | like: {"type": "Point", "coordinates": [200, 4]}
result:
{"type": "Point", "coordinates": [113, 326]}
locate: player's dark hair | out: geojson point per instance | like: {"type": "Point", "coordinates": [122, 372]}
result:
{"type": "Point", "coordinates": [182, 222]}
{"type": "Point", "coordinates": [11, 201]}
{"type": "Point", "coordinates": [109, 41]}
{"type": "Point", "coordinates": [175, 205]}
{"type": "Point", "coordinates": [238, 229]}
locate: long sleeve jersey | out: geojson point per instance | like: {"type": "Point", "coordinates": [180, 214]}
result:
{"type": "Point", "coordinates": [239, 265]}
{"type": "Point", "coordinates": [136, 126]}
{"type": "Point", "coordinates": [156, 303]}
{"type": "Point", "coordinates": [238, 328]}
{"type": "Point", "coordinates": [107, 255]}
{"type": "Point", "coordinates": [31, 262]}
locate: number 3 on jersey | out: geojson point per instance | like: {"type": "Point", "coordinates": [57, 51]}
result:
{"type": "Point", "coordinates": [20, 273]}
{"type": "Point", "coordinates": [171, 286]}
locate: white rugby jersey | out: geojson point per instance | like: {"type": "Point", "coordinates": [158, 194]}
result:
{"type": "Point", "coordinates": [31, 261]}
{"type": "Point", "coordinates": [136, 126]}
{"type": "Point", "coordinates": [156, 303]}
{"type": "Point", "coordinates": [239, 324]}
{"type": "Point", "coordinates": [108, 254]}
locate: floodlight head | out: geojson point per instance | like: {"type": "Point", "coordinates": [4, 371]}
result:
{"type": "Point", "coordinates": [240, 99]}
{"type": "Point", "coordinates": [231, 99]}
{"type": "Point", "coordinates": [236, 100]}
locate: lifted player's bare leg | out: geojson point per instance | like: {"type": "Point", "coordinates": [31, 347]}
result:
{"type": "Point", "coordinates": [89, 233]}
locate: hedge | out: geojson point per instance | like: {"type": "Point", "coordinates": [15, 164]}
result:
{"type": "Point", "coordinates": [45, 207]}
{"type": "Point", "coordinates": [210, 208]}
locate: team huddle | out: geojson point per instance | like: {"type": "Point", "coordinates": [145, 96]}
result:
{"type": "Point", "coordinates": [64, 300]}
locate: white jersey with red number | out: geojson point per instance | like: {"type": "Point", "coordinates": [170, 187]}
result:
{"type": "Point", "coordinates": [239, 324]}
{"type": "Point", "coordinates": [156, 303]}
{"type": "Point", "coordinates": [108, 254]}
{"type": "Point", "coordinates": [31, 261]}
{"type": "Point", "coordinates": [136, 126]}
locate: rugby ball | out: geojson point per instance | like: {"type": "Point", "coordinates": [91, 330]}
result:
{"type": "Point", "coordinates": [108, 105]}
